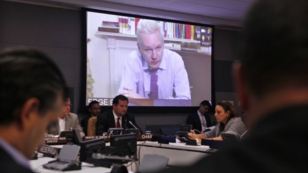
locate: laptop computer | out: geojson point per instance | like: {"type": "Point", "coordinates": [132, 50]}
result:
{"type": "Point", "coordinates": [67, 160]}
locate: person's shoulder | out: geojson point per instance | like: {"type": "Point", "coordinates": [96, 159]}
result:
{"type": "Point", "coordinates": [73, 115]}
{"type": "Point", "coordinates": [193, 114]}
{"type": "Point", "coordinates": [92, 119]}
{"type": "Point", "coordinates": [107, 113]}
{"type": "Point", "coordinates": [3, 153]}
{"type": "Point", "coordinates": [236, 120]}
{"type": "Point", "coordinates": [172, 54]}
{"type": "Point", "coordinates": [237, 125]}
{"type": "Point", "coordinates": [212, 163]}
{"type": "Point", "coordinates": [10, 165]}
{"type": "Point", "coordinates": [190, 118]}
{"type": "Point", "coordinates": [172, 58]}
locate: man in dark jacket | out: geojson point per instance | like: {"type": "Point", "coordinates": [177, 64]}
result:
{"type": "Point", "coordinates": [117, 117]}
{"type": "Point", "coordinates": [31, 96]}
{"type": "Point", "coordinates": [202, 118]}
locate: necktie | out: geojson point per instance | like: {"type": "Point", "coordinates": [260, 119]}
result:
{"type": "Point", "coordinates": [153, 85]}
{"type": "Point", "coordinates": [118, 125]}
{"type": "Point", "coordinates": [203, 122]}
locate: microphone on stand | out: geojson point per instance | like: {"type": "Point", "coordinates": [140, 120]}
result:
{"type": "Point", "coordinates": [132, 124]}
{"type": "Point", "coordinates": [138, 131]}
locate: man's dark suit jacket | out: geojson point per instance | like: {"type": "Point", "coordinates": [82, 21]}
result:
{"type": "Point", "coordinates": [106, 121]}
{"type": "Point", "coordinates": [194, 120]}
{"type": "Point", "coordinates": [8, 164]}
{"type": "Point", "coordinates": [277, 144]}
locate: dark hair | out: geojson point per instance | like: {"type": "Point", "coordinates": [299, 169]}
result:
{"type": "Point", "coordinates": [92, 103]}
{"type": "Point", "coordinates": [116, 100]}
{"type": "Point", "coordinates": [275, 45]}
{"type": "Point", "coordinates": [206, 103]}
{"type": "Point", "coordinates": [24, 74]}
{"type": "Point", "coordinates": [227, 106]}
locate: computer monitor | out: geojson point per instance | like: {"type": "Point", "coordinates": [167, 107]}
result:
{"type": "Point", "coordinates": [69, 136]}
{"type": "Point", "coordinates": [131, 131]}
{"type": "Point", "coordinates": [88, 146]}
{"type": "Point", "coordinates": [124, 145]}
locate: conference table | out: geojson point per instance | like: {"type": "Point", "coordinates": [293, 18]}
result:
{"type": "Point", "coordinates": [179, 154]}
{"type": "Point", "coordinates": [37, 166]}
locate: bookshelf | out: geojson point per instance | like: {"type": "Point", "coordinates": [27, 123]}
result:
{"type": "Point", "coordinates": [178, 44]}
{"type": "Point", "coordinates": [133, 37]}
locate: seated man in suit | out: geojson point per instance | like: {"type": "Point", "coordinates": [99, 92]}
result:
{"type": "Point", "coordinates": [31, 96]}
{"type": "Point", "coordinates": [66, 121]}
{"type": "Point", "coordinates": [202, 118]}
{"type": "Point", "coordinates": [115, 118]}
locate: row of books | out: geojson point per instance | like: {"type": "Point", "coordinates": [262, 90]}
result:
{"type": "Point", "coordinates": [185, 31]}
{"type": "Point", "coordinates": [124, 25]}
{"type": "Point", "coordinates": [128, 25]}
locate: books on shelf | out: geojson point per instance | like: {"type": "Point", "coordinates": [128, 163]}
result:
{"type": "Point", "coordinates": [124, 25]}
{"type": "Point", "coordinates": [205, 37]}
{"type": "Point", "coordinates": [197, 34]}
{"type": "Point", "coordinates": [178, 36]}
{"type": "Point", "coordinates": [127, 25]}
{"type": "Point", "coordinates": [108, 29]}
{"type": "Point", "coordinates": [108, 26]}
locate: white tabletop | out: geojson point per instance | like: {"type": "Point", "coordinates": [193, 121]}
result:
{"type": "Point", "coordinates": [179, 154]}
{"type": "Point", "coordinates": [178, 146]}
{"type": "Point", "coordinates": [36, 165]}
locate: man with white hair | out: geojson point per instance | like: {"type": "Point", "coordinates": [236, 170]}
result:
{"type": "Point", "coordinates": [154, 72]}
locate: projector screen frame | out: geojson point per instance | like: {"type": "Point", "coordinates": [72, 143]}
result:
{"type": "Point", "coordinates": [138, 109]}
